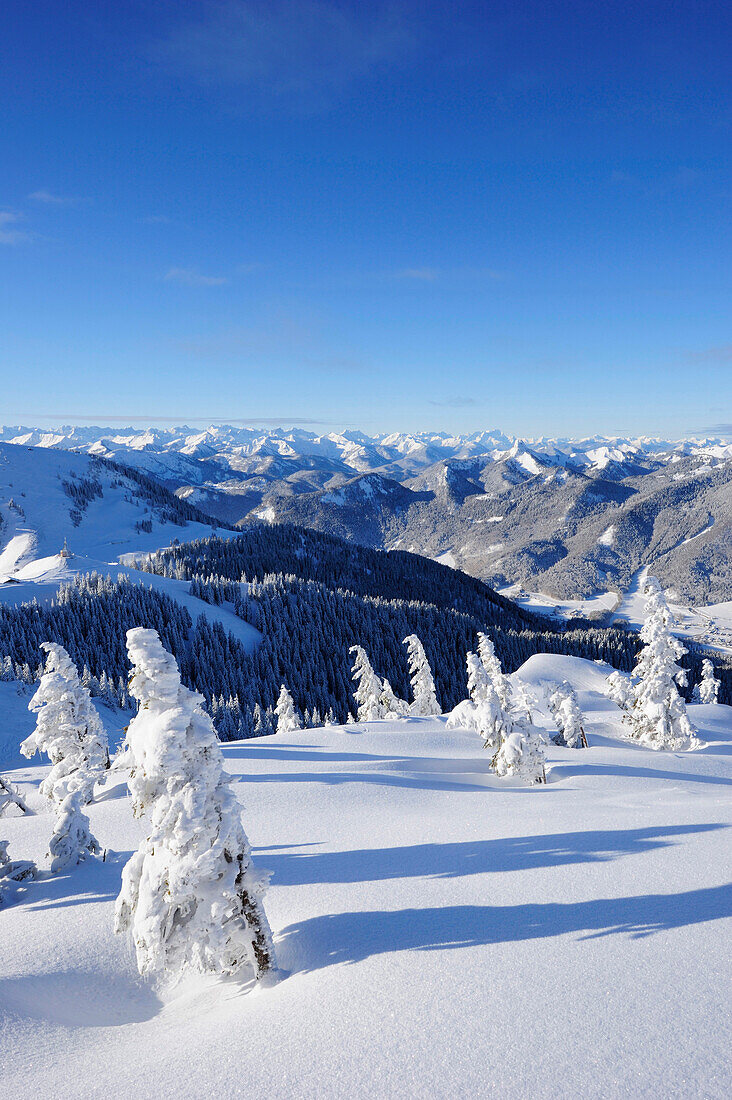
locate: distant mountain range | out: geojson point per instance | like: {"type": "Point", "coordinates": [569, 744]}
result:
{"type": "Point", "coordinates": [570, 518]}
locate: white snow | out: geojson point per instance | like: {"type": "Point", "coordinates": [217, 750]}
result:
{"type": "Point", "coordinates": [448, 558]}
{"type": "Point", "coordinates": [32, 478]}
{"type": "Point", "coordinates": [446, 933]}
{"type": "Point", "coordinates": [607, 538]}
{"type": "Point", "coordinates": [544, 604]}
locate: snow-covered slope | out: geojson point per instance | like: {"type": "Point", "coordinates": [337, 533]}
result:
{"type": "Point", "coordinates": [578, 518]}
{"type": "Point", "coordinates": [48, 496]}
{"type": "Point", "coordinates": [445, 933]}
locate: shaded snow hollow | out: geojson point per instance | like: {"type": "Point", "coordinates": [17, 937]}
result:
{"type": "Point", "coordinates": [445, 933]}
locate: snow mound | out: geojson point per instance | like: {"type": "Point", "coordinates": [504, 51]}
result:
{"type": "Point", "coordinates": [582, 674]}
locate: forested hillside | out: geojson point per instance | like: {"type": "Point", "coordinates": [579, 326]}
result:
{"type": "Point", "coordinates": [313, 596]}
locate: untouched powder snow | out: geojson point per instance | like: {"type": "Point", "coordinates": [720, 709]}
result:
{"type": "Point", "coordinates": [444, 933]}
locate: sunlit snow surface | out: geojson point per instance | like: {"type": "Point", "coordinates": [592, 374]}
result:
{"type": "Point", "coordinates": [444, 933]}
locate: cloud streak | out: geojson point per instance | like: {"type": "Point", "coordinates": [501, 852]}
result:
{"type": "Point", "coordinates": [284, 49]}
{"type": "Point", "coordinates": [458, 402]}
{"type": "Point", "coordinates": [720, 355]}
{"type": "Point", "coordinates": [718, 429]}
{"type": "Point", "coordinates": [418, 274]}
{"type": "Point", "coordinates": [432, 274]}
{"type": "Point", "coordinates": [189, 276]}
{"type": "Point", "coordinates": [49, 199]}
{"type": "Point", "coordinates": [9, 233]}
{"type": "Point", "coordinates": [104, 419]}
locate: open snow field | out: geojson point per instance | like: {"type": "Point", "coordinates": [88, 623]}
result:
{"type": "Point", "coordinates": [444, 933]}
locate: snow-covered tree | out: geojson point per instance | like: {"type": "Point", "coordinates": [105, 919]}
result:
{"type": "Point", "coordinates": [657, 712]}
{"type": "Point", "coordinates": [391, 705]}
{"type": "Point", "coordinates": [72, 840]}
{"type": "Point", "coordinates": [707, 690]}
{"type": "Point", "coordinates": [522, 753]}
{"type": "Point", "coordinates": [9, 796]}
{"type": "Point", "coordinates": [13, 870]}
{"type": "Point", "coordinates": [68, 729]}
{"type": "Point", "coordinates": [524, 700]}
{"type": "Point", "coordinates": [482, 711]}
{"type": "Point", "coordinates": [190, 895]}
{"type": "Point", "coordinates": [287, 717]}
{"type": "Point", "coordinates": [565, 709]}
{"type": "Point", "coordinates": [491, 720]}
{"type": "Point", "coordinates": [492, 666]}
{"type": "Point", "coordinates": [369, 687]}
{"type": "Point", "coordinates": [424, 695]}
{"type": "Point", "coordinates": [619, 689]}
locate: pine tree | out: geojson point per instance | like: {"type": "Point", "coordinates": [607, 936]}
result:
{"type": "Point", "coordinates": [707, 690]}
{"type": "Point", "coordinates": [565, 709]}
{"type": "Point", "coordinates": [287, 718]}
{"type": "Point", "coordinates": [9, 796]}
{"type": "Point", "coordinates": [72, 840]}
{"type": "Point", "coordinates": [492, 666]}
{"type": "Point", "coordinates": [619, 690]}
{"type": "Point", "coordinates": [657, 713]}
{"type": "Point", "coordinates": [391, 705]}
{"type": "Point", "coordinates": [68, 729]}
{"type": "Point", "coordinates": [190, 895]}
{"type": "Point", "coordinates": [522, 753]}
{"type": "Point", "coordinates": [424, 695]}
{"type": "Point", "coordinates": [482, 711]}
{"type": "Point", "coordinates": [369, 687]}
{"type": "Point", "coordinates": [13, 871]}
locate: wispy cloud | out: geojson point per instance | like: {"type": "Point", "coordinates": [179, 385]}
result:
{"type": "Point", "coordinates": [9, 233]}
{"type": "Point", "coordinates": [457, 402]}
{"type": "Point", "coordinates": [156, 219]}
{"type": "Point", "coordinates": [50, 199]}
{"type": "Point", "coordinates": [288, 49]}
{"type": "Point", "coordinates": [281, 335]}
{"type": "Point", "coordinates": [189, 276]}
{"type": "Point", "coordinates": [718, 429]}
{"type": "Point", "coordinates": [419, 274]}
{"type": "Point", "coordinates": [281, 339]}
{"type": "Point", "coordinates": [432, 274]}
{"type": "Point", "coordinates": [104, 419]}
{"type": "Point", "coordinates": [720, 355]}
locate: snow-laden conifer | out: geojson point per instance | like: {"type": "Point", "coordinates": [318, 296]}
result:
{"type": "Point", "coordinates": [72, 840]}
{"type": "Point", "coordinates": [482, 710]}
{"type": "Point", "coordinates": [287, 717]}
{"type": "Point", "coordinates": [68, 729]}
{"type": "Point", "coordinates": [369, 687]}
{"type": "Point", "coordinates": [424, 697]}
{"type": "Point", "coordinates": [9, 796]}
{"type": "Point", "coordinates": [657, 712]}
{"type": "Point", "coordinates": [522, 753]}
{"type": "Point", "coordinates": [190, 896]}
{"type": "Point", "coordinates": [391, 705]}
{"type": "Point", "coordinates": [619, 689]}
{"type": "Point", "coordinates": [565, 709]}
{"type": "Point", "coordinates": [707, 690]}
{"type": "Point", "coordinates": [492, 665]}
{"type": "Point", "coordinates": [524, 699]}
{"type": "Point", "coordinates": [13, 871]}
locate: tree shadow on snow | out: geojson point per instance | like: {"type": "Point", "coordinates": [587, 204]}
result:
{"type": "Point", "coordinates": [468, 857]}
{"type": "Point", "coordinates": [566, 771]}
{"type": "Point", "coordinates": [419, 773]}
{"type": "Point", "coordinates": [79, 998]}
{"type": "Point", "coordinates": [352, 937]}
{"type": "Point", "coordinates": [92, 880]}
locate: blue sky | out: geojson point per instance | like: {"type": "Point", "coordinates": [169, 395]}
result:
{"type": "Point", "coordinates": [378, 215]}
